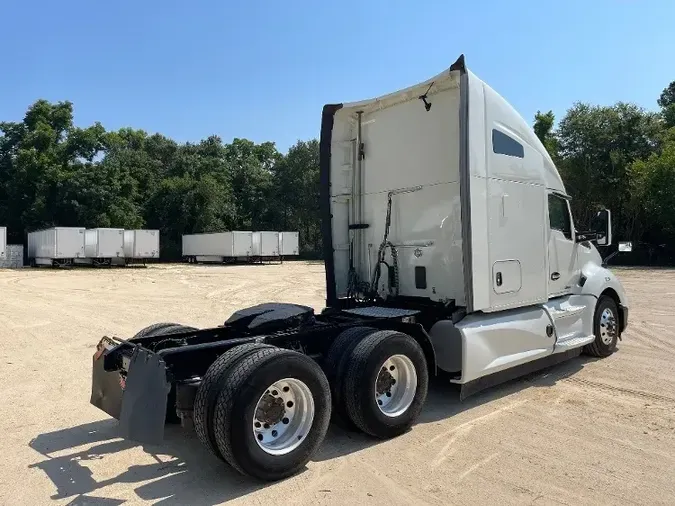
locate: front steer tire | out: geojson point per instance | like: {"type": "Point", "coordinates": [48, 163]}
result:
{"type": "Point", "coordinates": [606, 329]}
{"type": "Point", "coordinates": [363, 378]}
{"type": "Point", "coordinates": [236, 406]}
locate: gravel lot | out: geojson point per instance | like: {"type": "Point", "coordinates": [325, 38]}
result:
{"type": "Point", "coordinates": [585, 432]}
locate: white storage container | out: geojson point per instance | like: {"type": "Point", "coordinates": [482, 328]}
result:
{"type": "Point", "coordinates": [216, 245]}
{"type": "Point", "coordinates": [13, 258]}
{"type": "Point", "coordinates": [289, 243]}
{"type": "Point", "coordinates": [269, 244]}
{"type": "Point", "coordinates": [104, 243]}
{"type": "Point", "coordinates": [242, 244]}
{"type": "Point", "coordinates": [141, 243]}
{"type": "Point", "coordinates": [58, 243]}
{"type": "Point", "coordinates": [3, 242]}
{"type": "Point", "coordinates": [255, 244]}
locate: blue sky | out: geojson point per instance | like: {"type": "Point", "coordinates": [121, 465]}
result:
{"type": "Point", "coordinates": [263, 69]}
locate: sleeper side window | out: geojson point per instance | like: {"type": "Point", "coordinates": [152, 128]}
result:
{"type": "Point", "coordinates": [559, 215]}
{"type": "Point", "coordinates": [502, 144]}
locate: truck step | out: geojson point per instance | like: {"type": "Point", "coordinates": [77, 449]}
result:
{"type": "Point", "coordinates": [382, 312]}
{"type": "Point", "coordinates": [575, 342]}
{"type": "Point", "coordinates": [566, 311]}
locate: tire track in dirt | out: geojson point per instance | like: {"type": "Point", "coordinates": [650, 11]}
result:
{"type": "Point", "coordinates": [642, 334]}
{"type": "Point", "coordinates": [623, 390]}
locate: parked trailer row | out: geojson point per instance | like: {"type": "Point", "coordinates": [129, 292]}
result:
{"type": "Point", "coordinates": [60, 246]}
{"type": "Point", "coordinates": [239, 245]}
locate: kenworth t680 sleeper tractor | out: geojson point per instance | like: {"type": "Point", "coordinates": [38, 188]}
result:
{"type": "Point", "coordinates": [449, 248]}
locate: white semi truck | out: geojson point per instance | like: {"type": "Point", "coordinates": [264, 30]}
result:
{"type": "Point", "coordinates": [450, 249]}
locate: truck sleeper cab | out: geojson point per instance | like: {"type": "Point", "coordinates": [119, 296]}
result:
{"type": "Point", "coordinates": [449, 248]}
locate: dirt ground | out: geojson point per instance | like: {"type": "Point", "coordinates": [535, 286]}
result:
{"type": "Point", "coordinates": [585, 432]}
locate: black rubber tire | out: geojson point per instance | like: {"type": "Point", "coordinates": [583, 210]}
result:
{"type": "Point", "coordinates": [162, 328]}
{"type": "Point", "coordinates": [167, 329]}
{"type": "Point", "coordinates": [210, 387]}
{"type": "Point", "coordinates": [233, 417]}
{"type": "Point", "coordinates": [598, 348]}
{"type": "Point", "coordinates": [335, 366]}
{"type": "Point", "coordinates": [364, 366]}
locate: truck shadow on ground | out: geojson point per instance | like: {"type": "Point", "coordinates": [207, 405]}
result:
{"type": "Point", "coordinates": [184, 472]}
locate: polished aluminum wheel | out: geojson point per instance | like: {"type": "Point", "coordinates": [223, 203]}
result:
{"type": "Point", "coordinates": [607, 326]}
{"type": "Point", "coordinates": [283, 416]}
{"type": "Point", "coordinates": [396, 385]}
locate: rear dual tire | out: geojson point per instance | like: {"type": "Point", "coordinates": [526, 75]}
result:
{"type": "Point", "coordinates": [160, 329]}
{"type": "Point", "coordinates": [263, 410]}
{"type": "Point", "coordinates": [379, 380]}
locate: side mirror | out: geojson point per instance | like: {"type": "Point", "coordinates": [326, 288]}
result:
{"type": "Point", "coordinates": [625, 247]}
{"type": "Point", "coordinates": [601, 225]}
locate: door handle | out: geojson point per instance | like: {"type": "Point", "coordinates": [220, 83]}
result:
{"type": "Point", "coordinates": [499, 279]}
{"type": "Point", "coordinates": [555, 276]}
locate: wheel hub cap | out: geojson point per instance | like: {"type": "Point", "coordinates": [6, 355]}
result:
{"type": "Point", "coordinates": [608, 331]}
{"type": "Point", "coordinates": [283, 416]}
{"type": "Point", "coordinates": [270, 409]}
{"type": "Point", "coordinates": [396, 385]}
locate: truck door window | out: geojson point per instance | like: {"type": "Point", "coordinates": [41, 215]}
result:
{"type": "Point", "coordinates": [559, 215]}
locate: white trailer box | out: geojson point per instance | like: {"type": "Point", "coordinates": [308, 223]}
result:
{"type": "Point", "coordinates": [269, 244]}
{"type": "Point", "coordinates": [56, 245]}
{"type": "Point", "coordinates": [3, 242]}
{"type": "Point", "coordinates": [255, 244]}
{"type": "Point", "coordinates": [289, 243]}
{"type": "Point", "coordinates": [213, 247]}
{"type": "Point", "coordinates": [242, 244]}
{"type": "Point", "coordinates": [141, 244]}
{"type": "Point", "coordinates": [104, 243]}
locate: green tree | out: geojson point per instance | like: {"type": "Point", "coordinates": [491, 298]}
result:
{"type": "Point", "coordinates": [543, 129]}
{"type": "Point", "coordinates": [667, 103]}
{"type": "Point", "coordinates": [597, 145]}
{"type": "Point", "coordinates": [250, 168]}
{"type": "Point", "coordinates": [296, 202]}
{"type": "Point", "coordinates": [653, 193]}
{"type": "Point", "coordinates": [39, 158]}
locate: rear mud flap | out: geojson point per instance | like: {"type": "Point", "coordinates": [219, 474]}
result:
{"type": "Point", "coordinates": [106, 390]}
{"type": "Point", "coordinates": [145, 396]}
{"type": "Point", "coordinates": [141, 406]}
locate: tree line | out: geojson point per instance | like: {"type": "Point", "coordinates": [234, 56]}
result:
{"type": "Point", "coordinates": [54, 173]}
{"type": "Point", "coordinates": [620, 157]}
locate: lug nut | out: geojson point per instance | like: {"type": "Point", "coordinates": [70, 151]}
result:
{"type": "Point", "coordinates": [274, 433]}
{"type": "Point", "coordinates": [289, 404]}
{"type": "Point", "coordinates": [274, 392]}
{"type": "Point", "coordinates": [257, 425]}
{"type": "Point", "coordinates": [260, 437]}
{"type": "Point", "coordinates": [286, 389]}
{"type": "Point", "coordinates": [388, 394]}
{"type": "Point", "coordinates": [391, 368]}
{"type": "Point", "coordinates": [393, 382]}
{"type": "Point", "coordinates": [379, 402]}
{"type": "Point", "coordinates": [285, 421]}
{"type": "Point", "coordinates": [267, 426]}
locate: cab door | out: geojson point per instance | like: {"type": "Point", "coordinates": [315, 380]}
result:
{"type": "Point", "coordinates": [562, 249]}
